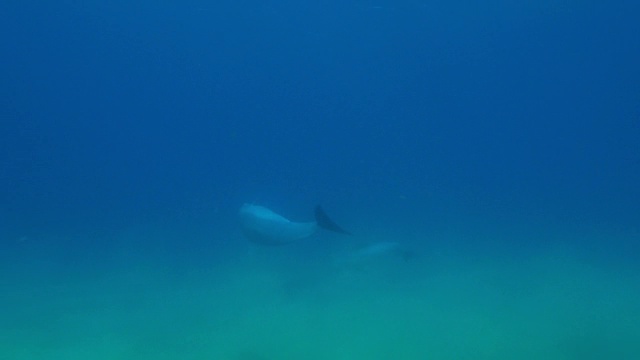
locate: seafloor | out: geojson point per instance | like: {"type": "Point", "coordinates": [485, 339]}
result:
{"type": "Point", "coordinates": [140, 302]}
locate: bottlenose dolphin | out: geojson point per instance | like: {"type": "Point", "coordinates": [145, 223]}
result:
{"type": "Point", "coordinates": [379, 250]}
{"type": "Point", "coordinates": [373, 256]}
{"type": "Point", "coordinates": [263, 226]}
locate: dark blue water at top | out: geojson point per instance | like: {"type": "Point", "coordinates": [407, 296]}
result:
{"type": "Point", "coordinates": [117, 113]}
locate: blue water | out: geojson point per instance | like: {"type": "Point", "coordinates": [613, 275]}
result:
{"type": "Point", "coordinates": [498, 140]}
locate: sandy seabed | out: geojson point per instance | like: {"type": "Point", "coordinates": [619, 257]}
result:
{"type": "Point", "coordinates": [255, 306]}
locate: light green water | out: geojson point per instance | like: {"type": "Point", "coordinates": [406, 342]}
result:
{"type": "Point", "coordinates": [552, 306]}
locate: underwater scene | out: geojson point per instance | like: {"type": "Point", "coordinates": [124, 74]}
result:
{"type": "Point", "coordinates": [319, 180]}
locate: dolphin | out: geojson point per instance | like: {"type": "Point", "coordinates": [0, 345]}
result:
{"type": "Point", "coordinates": [263, 226]}
{"type": "Point", "coordinates": [381, 249]}
{"type": "Point", "coordinates": [372, 255]}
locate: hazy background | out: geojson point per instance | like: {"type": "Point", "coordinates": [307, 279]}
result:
{"type": "Point", "coordinates": [491, 138]}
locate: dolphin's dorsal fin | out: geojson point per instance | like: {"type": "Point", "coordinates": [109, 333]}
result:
{"type": "Point", "coordinates": [325, 222]}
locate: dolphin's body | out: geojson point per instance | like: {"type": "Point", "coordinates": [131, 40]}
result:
{"type": "Point", "coordinates": [263, 226]}
{"type": "Point", "coordinates": [381, 249]}
{"type": "Point", "coordinates": [375, 253]}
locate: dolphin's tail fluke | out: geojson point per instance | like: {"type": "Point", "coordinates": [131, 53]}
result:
{"type": "Point", "coordinates": [325, 222]}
